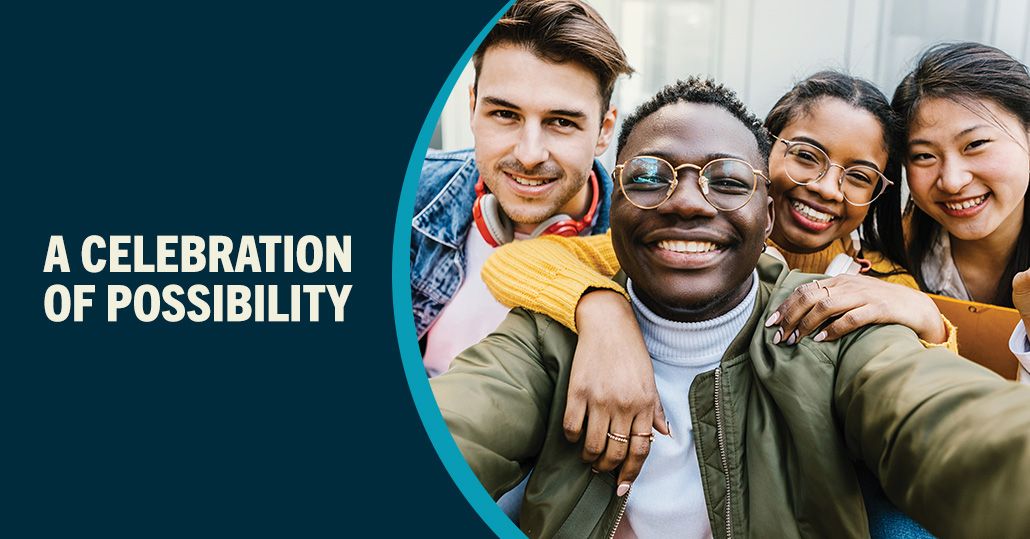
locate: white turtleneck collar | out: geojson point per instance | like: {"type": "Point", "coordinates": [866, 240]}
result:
{"type": "Point", "coordinates": [692, 343]}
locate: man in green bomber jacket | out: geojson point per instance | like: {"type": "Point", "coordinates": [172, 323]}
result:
{"type": "Point", "coordinates": [776, 431]}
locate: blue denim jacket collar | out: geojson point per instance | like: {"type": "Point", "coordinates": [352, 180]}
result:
{"type": "Point", "coordinates": [446, 219]}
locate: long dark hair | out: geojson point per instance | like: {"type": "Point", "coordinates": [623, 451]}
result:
{"type": "Point", "coordinates": [964, 73]}
{"type": "Point", "coordinates": [881, 229]}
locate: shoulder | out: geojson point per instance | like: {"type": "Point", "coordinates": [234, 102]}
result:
{"type": "Point", "coordinates": [440, 162]}
{"type": "Point", "coordinates": [548, 333]}
{"type": "Point", "coordinates": [450, 155]}
{"type": "Point", "coordinates": [886, 269]}
{"type": "Point", "coordinates": [440, 168]}
{"type": "Point", "coordinates": [524, 342]}
{"type": "Point", "coordinates": [447, 178]}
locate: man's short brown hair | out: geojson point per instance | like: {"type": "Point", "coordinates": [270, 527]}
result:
{"type": "Point", "coordinates": [561, 31]}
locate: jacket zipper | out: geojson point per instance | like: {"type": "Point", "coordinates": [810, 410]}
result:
{"type": "Point", "coordinates": [722, 450]}
{"type": "Point", "coordinates": [622, 511]}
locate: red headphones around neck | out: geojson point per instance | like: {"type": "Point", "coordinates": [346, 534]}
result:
{"type": "Point", "coordinates": [497, 229]}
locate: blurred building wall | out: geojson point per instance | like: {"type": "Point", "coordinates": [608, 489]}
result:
{"type": "Point", "coordinates": [761, 47]}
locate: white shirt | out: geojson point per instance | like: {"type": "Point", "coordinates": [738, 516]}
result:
{"type": "Point", "coordinates": [1019, 345]}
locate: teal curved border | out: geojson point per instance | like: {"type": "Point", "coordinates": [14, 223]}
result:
{"type": "Point", "coordinates": [411, 357]}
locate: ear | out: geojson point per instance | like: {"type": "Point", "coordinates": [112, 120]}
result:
{"type": "Point", "coordinates": [472, 102]}
{"type": "Point", "coordinates": [772, 216]}
{"type": "Point", "coordinates": [604, 138]}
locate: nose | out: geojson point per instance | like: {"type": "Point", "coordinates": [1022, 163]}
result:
{"type": "Point", "coordinates": [954, 177]}
{"type": "Point", "coordinates": [686, 200]}
{"type": "Point", "coordinates": [828, 187]}
{"type": "Point", "coordinates": [531, 148]}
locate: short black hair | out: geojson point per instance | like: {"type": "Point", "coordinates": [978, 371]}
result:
{"type": "Point", "coordinates": [699, 90]}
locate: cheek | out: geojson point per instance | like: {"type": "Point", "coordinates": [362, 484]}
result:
{"type": "Point", "coordinates": [920, 182]}
{"type": "Point", "coordinates": [1009, 176]}
{"type": "Point", "coordinates": [781, 184]}
{"type": "Point", "coordinates": [854, 215]}
{"type": "Point", "coordinates": [491, 140]}
{"type": "Point", "coordinates": [573, 153]}
{"type": "Point", "coordinates": [751, 225]}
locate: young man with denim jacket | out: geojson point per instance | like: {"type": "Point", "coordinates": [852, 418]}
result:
{"type": "Point", "coordinates": [541, 114]}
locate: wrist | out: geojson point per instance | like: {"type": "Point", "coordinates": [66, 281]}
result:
{"type": "Point", "coordinates": [934, 330]}
{"type": "Point", "coordinates": [598, 305]}
{"type": "Point", "coordinates": [937, 332]}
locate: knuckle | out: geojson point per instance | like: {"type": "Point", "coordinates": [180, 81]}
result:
{"type": "Point", "coordinates": [593, 449]}
{"type": "Point", "coordinates": [849, 318]}
{"type": "Point", "coordinates": [640, 451]}
{"type": "Point", "coordinates": [624, 403]}
{"type": "Point", "coordinates": [822, 307]}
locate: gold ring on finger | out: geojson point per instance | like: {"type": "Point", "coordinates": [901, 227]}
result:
{"type": "Point", "coordinates": [618, 437]}
{"type": "Point", "coordinates": [649, 435]}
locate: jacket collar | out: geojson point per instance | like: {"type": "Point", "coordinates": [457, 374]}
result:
{"type": "Point", "coordinates": [446, 219]}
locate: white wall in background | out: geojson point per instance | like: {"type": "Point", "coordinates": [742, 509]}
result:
{"type": "Point", "coordinates": [761, 47]}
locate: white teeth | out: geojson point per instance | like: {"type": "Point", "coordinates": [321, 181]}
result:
{"type": "Point", "coordinates": [687, 246]}
{"type": "Point", "coordinates": [967, 204]}
{"type": "Point", "coordinates": [526, 181]}
{"type": "Point", "coordinates": [810, 212]}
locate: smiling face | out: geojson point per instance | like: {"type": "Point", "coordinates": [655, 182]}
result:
{"type": "Point", "coordinates": [538, 127]}
{"type": "Point", "coordinates": [811, 217]}
{"type": "Point", "coordinates": [968, 166]}
{"type": "Point", "coordinates": [689, 261]}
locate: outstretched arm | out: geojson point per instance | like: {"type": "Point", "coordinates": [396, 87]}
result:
{"type": "Point", "coordinates": [948, 439]}
{"type": "Point", "coordinates": [499, 442]}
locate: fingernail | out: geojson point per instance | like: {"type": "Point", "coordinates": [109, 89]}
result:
{"type": "Point", "coordinates": [622, 490]}
{"type": "Point", "coordinates": [793, 338]}
{"type": "Point", "coordinates": [669, 426]}
{"type": "Point", "coordinates": [820, 337]}
{"type": "Point", "coordinates": [773, 318]}
{"type": "Point", "coordinates": [778, 336]}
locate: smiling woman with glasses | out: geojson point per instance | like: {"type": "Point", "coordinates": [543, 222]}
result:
{"type": "Point", "coordinates": [806, 163]}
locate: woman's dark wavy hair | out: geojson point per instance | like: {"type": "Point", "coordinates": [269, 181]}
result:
{"type": "Point", "coordinates": [966, 73]}
{"type": "Point", "coordinates": [881, 229]}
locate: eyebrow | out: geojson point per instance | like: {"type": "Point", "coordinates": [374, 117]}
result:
{"type": "Point", "coordinates": [817, 144]}
{"type": "Point", "coordinates": [568, 113]}
{"type": "Point", "coordinates": [958, 135]}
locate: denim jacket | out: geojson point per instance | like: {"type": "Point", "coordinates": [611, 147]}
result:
{"type": "Point", "coordinates": [443, 216]}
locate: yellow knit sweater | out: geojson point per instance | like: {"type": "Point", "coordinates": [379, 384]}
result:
{"type": "Point", "coordinates": [549, 274]}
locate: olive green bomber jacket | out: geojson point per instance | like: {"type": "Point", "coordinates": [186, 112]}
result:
{"type": "Point", "coordinates": [777, 431]}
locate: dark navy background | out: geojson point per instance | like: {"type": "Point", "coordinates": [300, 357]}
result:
{"type": "Point", "coordinates": [196, 119]}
